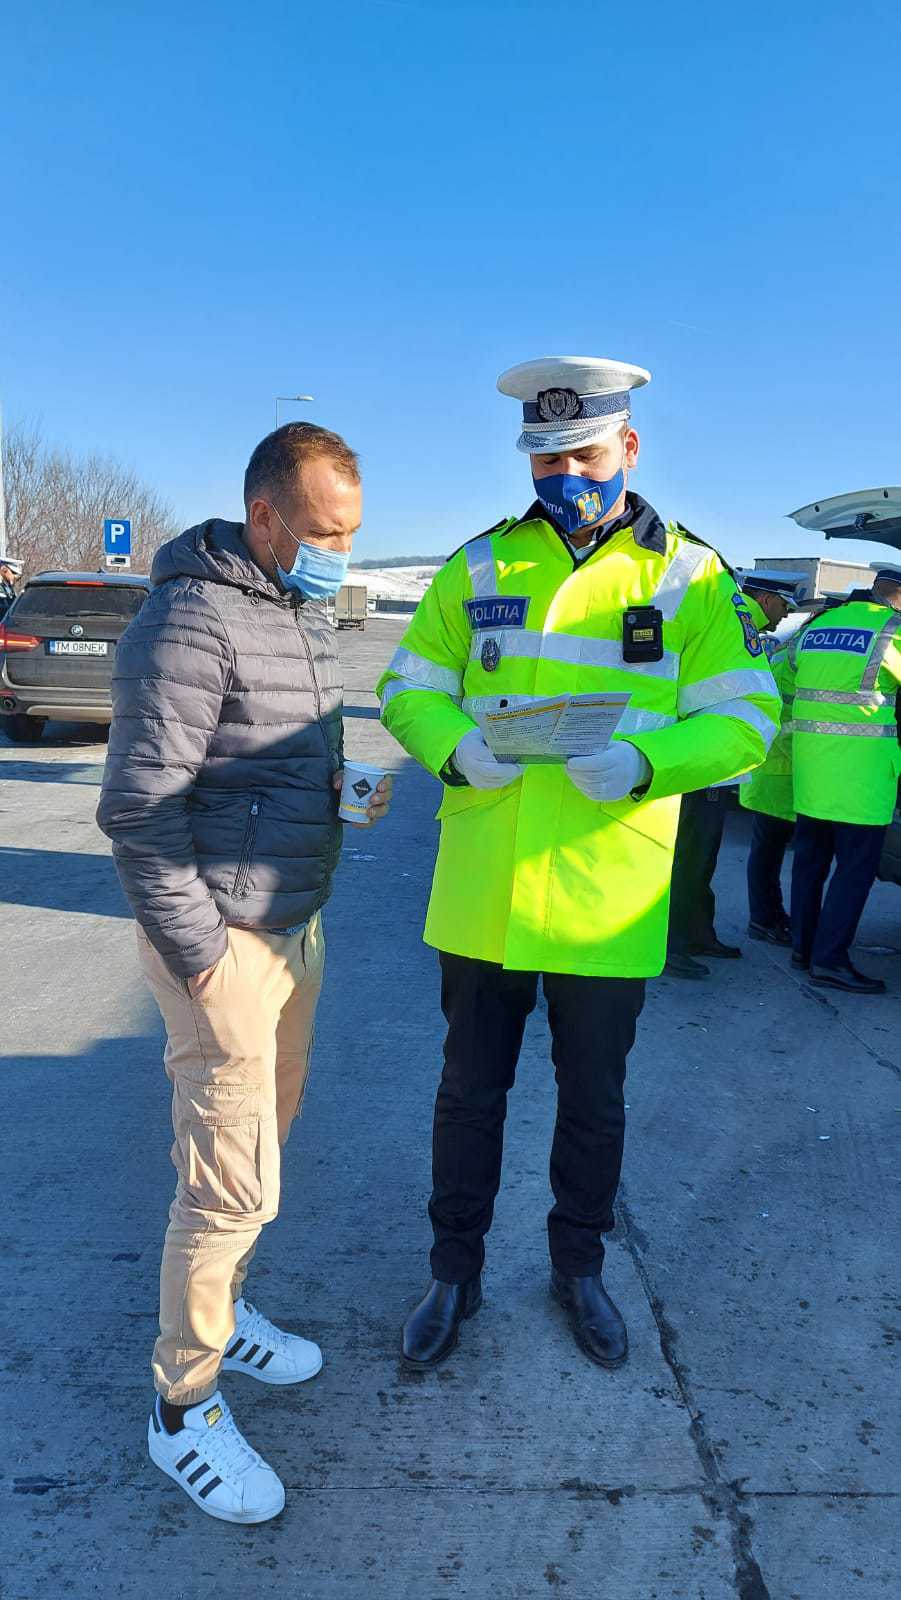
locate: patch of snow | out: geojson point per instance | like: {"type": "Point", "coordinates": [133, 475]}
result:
{"type": "Point", "coordinates": [394, 583]}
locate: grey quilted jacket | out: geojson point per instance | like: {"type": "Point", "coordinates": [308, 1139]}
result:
{"type": "Point", "coordinates": [226, 734]}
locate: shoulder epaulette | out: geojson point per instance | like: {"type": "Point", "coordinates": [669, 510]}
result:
{"type": "Point", "coordinates": [679, 527]}
{"type": "Point", "coordinates": [504, 524]}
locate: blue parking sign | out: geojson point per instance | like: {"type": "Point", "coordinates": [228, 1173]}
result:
{"type": "Point", "coordinates": [117, 536]}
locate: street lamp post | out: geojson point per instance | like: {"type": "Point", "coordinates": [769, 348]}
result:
{"type": "Point", "coordinates": [285, 398]}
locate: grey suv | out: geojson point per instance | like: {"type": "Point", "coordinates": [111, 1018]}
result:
{"type": "Point", "coordinates": [57, 645]}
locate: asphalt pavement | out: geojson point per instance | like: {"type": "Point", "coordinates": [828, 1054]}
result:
{"type": "Point", "coordinates": [749, 1449]}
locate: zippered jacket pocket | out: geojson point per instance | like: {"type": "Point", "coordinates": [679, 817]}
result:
{"type": "Point", "coordinates": [250, 834]}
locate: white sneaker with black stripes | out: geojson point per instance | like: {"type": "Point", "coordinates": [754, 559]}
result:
{"type": "Point", "coordinates": [212, 1461]}
{"type": "Point", "coordinates": [263, 1351]}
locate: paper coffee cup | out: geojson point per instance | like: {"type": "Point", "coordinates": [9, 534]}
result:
{"type": "Point", "coordinates": [357, 790]}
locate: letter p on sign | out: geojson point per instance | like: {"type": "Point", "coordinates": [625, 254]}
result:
{"type": "Point", "coordinates": [117, 536]}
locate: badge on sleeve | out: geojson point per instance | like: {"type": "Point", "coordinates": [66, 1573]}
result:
{"type": "Point", "coordinates": [753, 641]}
{"type": "Point", "coordinates": [491, 655]}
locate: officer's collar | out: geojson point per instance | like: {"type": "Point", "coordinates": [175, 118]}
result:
{"type": "Point", "coordinates": [647, 529]}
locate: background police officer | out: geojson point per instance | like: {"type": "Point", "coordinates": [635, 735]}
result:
{"type": "Point", "coordinates": [10, 572]}
{"type": "Point", "coordinates": [845, 763]}
{"type": "Point", "coordinates": [763, 603]}
{"type": "Point", "coordinates": [561, 869]}
{"type": "Point", "coordinates": [769, 596]}
{"type": "Point", "coordinates": [768, 792]}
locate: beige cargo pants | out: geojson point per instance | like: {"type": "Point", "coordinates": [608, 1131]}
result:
{"type": "Point", "coordinates": [238, 1054]}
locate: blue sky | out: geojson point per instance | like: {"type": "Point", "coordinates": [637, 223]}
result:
{"type": "Point", "coordinates": [385, 204]}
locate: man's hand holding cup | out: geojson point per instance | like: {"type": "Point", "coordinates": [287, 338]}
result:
{"type": "Point", "coordinates": [365, 794]}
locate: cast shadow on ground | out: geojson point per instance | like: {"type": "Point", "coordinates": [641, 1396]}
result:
{"type": "Point", "coordinates": [62, 736]}
{"type": "Point", "coordinates": [118, 1053]}
{"type": "Point", "coordinates": [89, 772]}
{"type": "Point", "coordinates": [61, 880]}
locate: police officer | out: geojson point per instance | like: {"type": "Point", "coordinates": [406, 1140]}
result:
{"type": "Point", "coordinates": [10, 573]}
{"type": "Point", "coordinates": [768, 791]}
{"type": "Point", "coordinates": [692, 933]}
{"type": "Point", "coordinates": [846, 762]}
{"type": "Point", "coordinates": [769, 596]}
{"type": "Point", "coordinates": [561, 870]}
{"type": "Point", "coordinates": [764, 600]}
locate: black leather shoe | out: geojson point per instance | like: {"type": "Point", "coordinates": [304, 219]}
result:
{"type": "Point", "coordinates": [598, 1327]}
{"type": "Point", "coordinates": [800, 961]}
{"type": "Point", "coordinates": [679, 965]}
{"type": "Point", "coordinates": [431, 1330]}
{"type": "Point", "coordinates": [771, 933]}
{"type": "Point", "coordinates": [714, 947]}
{"type": "Point", "coordinates": [845, 978]}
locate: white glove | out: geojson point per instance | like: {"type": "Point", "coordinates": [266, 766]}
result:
{"type": "Point", "coordinates": [612, 773]}
{"type": "Point", "coordinates": [474, 761]}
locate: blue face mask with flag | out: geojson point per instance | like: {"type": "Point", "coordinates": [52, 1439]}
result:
{"type": "Point", "coordinates": [576, 502]}
{"type": "Point", "coordinates": [316, 572]}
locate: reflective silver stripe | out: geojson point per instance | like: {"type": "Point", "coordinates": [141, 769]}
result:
{"type": "Point", "coordinates": [880, 650]}
{"type": "Point", "coordinates": [743, 711]}
{"type": "Point", "coordinates": [482, 571]}
{"type": "Point", "coordinates": [425, 673]}
{"type": "Point", "coordinates": [636, 721]}
{"type": "Point", "coordinates": [406, 686]}
{"type": "Point", "coordinates": [576, 651]}
{"type": "Point", "coordinates": [846, 697]}
{"type": "Point", "coordinates": [673, 587]}
{"type": "Point", "coordinates": [725, 686]}
{"type": "Point", "coordinates": [475, 705]}
{"type": "Point", "coordinates": [853, 730]}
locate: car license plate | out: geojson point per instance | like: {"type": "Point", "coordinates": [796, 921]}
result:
{"type": "Point", "coordinates": [78, 647]}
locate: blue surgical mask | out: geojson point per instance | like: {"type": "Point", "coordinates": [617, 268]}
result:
{"type": "Point", "coordinates": [576, 502]}
{"type": "Point", "coordinates": [316, 571]}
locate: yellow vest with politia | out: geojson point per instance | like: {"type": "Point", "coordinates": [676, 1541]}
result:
{"type": "Point", "coordinates": [535, 876]}
{"type": "Point", "coordinates": [845, 755]}
{"type": "Point", "coordinates": [769, 788]}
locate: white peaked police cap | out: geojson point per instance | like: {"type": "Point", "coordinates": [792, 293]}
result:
{"type": "Point", "coordinates": [13, 564]}
{"type": "Point", "coordinates": [570, 401]}
{"type": "Point", "coordinates": [770, 581]}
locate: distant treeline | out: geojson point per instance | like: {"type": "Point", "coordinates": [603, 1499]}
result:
{"type": "Point", "coordinates": [399, 561]}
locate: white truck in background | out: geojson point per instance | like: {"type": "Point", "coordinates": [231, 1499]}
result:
{"type": "Point", "coordinates": [349, 608]}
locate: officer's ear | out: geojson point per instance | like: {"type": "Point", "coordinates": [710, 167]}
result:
{"type": "Point", "coordinates": [631, 446]}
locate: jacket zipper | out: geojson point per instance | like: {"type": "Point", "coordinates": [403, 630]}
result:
{"type": "Point", "coordinates": [250, 834]}
{"type": "Point", "coordinates": [313, 678]}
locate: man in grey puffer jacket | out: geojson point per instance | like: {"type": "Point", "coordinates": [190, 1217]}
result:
{"type": "Point", "coordinates": [220, 796]}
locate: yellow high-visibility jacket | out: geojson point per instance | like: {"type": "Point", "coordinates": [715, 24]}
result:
{"type": "Point", "coordinates": [536, 876]}
{"type": "Point", "coordinates": [845, 754]}
{"type": "Point", "coordinates": [769, 788]}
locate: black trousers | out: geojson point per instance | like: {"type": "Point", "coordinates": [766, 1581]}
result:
{"type": "Point", "coordinates": [692, 905]}
{"type": "Point", "coordinates": [823, 930]}
{"type": "Point", "coordinates": [770, 838]}
{"type": "Point", "coordinates": [592, 1023]}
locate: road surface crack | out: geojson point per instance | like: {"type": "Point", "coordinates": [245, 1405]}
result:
{"type": "Point", "coordinates": [723, 1498]}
